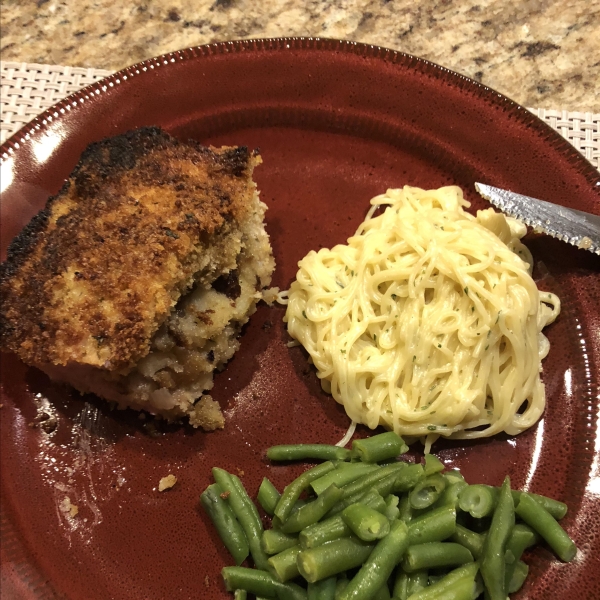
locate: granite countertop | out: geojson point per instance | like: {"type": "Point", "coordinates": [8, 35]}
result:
{"type": "Point", "coordinates": [541, 53]}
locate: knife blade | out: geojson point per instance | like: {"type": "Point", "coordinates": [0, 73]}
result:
{"type": "Point", "coordinates": [576, 227]}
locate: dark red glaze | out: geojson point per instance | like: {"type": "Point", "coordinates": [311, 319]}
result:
{"type": "Point", "coordinates": [336, 123]}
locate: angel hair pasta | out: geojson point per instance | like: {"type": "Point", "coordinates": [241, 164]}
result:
{"type": "Point", "coordinates": [427, 321]}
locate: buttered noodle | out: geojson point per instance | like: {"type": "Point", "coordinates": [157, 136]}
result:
{"type": "Point", "coordinates": [427, 321]}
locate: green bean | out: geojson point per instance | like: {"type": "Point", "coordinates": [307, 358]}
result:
{"type": "Point", "coordinates": [404, 509]}
{"type": "Point", "coordinates": [335, 527]}
{"type": "Point", "coordinates": [493, 567]}
{"type": "Point", "coordinates": [274, 541]}
{"type": "Point", "coordinates": [453, 476]}
{"type": "Point", "coordinates": [283, 565]}
{"type": "Point", "coordinates": [367, 481]}
{"type": "Point", "coordinates": [451, 493]}
{"type": "Point", "coordinates": [433, 526]}
{"type": "Point", "coordinates": [246, 513]}
{"type": "Point", "coordinates": [537, 517]}
{"type": "Point", "coordinates": [268, 496]}
{"type": "Point", "coordinates": [328, 530]}
{"type": "Point", "coordinates": [381, 487]}
{"type": "Point", "coordinates": [322, 590]}
{"type": "Point", "coordinates": [312, 511]}
{"type": "Point", "coordinates": [435, 554]}
{"type": "Point", "coordinates": [343, 474]}
{"type": "Point", "coordinates": [521, 537]}
{"type": "Point", "coordinates": [365, 522]}
{"type": "Point", "coordinates": [557, 509]}
{"type": "Point", "coordinates": [307, 452]}
{"type": "Point", "coordinates": [332, 558]}
{"type": "Point", "coordinates": [478, 500]}
{"type": "Point", "coordinates": [260, 583]}
{"type": "Point", "coordinates": [379, 447]}
{"type": "Point", "coordinates": [427, 491]}
{"type": "Point", "coordinates": [383, 593]}
{"type": "Point", "coordinates": [471, 540]}
{"type": "Point", "coordinates": [379, 565]}
{"type": "Point", "coordinates": [433, 465]}
{"type": "Point", "coordinates": [408, 478]}
{"type": "Point", "coordinates": [459, 576]}
{"type": "Point", "coordinates": [518, 577]}
{"type": "Point", "coordinates": [391, 507]}
{"type": "Point", "coordinates": [292, 492]}
{"type": "Point", "coordinates": [340, 586]}
{"type": "Point", "coordinates": [406, 584]}
{"type": "Point", "coordinates": [240, 595]}
{"type": "Point", "coordinates": [229, 529]}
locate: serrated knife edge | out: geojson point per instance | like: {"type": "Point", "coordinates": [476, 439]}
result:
{"type": "Point", "coordinates": [576, 227]}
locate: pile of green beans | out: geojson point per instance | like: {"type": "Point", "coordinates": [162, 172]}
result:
{"type": "Point", "coordinates": [365, 525]}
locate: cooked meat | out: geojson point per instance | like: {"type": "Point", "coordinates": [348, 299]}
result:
{"type": "Point", "coordinates": [135, 280]}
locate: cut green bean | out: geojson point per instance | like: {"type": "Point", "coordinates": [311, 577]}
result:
{"type": "Point", "coordinates": [322, 590]}
{"type": "Point", "coordinates": [451, 493]}
{"type": "Point", "coordinates": [332, 558]}
{"type": "Point", "coordinates": [341, 584]}
{"type": "Point", "coordinates": [406, 584]}
{"type": "Point", "coordinates": [433, 465]}
{"type": "Point", "coordinates": [454, 476]}
{"type": "Point", "coordinates": [391, 507]}
{"type": "Point", "coordinates": [240, 595]}
{"type": "Point", "coordinates": [292, 492]}
{"type": "Point", "coordinates": [307, 452]}
{"type": "Point", "coordinates": [228, 527]}
{"type": "Point", "coordinates": [313, 511]}
{"type": "Point", "coordinates": [334, 527]}
{"type": "Point", "coordinates": [376, 570]}
{"type": "Point", "coordinates": [245, 512]}
{"type": "Point", "coordinates": [478, 500]}
{"type": "Point", "coordinates": [537, 517]}
{"type": "Point", "coordinates": [274, 541]}
{"type": "Point", "coordinates": [466, 573]}
{"type": "Point", "coordinates": [518, 576]}
{"type": "Point", "coordinates": [367, 481]}
{"type": "Point", "coordinates": [427, 491]}
{"type": "Point", "coordinates": [408, 478]}
{"type": "Point", "coordinates": [493, 567]}
{"type": "Point", "coordinates": [260, 583]}
{"type": "Point", "coordinates": [343, 474]}
{"type": "Point", "coordinates": [556, 508]}
{"type": "Point", "coordinates": [521, 537]}
{"type": "Point", "coordinates": [383, 593]}
{"type": "Point", "coordinates": [382, 487]}
{"type": "Point", "coordinates": [268, 496]}
{"type": "Point", "coordinates": [433, 526]}
{"type": "Point", "coordinates": [471, 540]}
{"type": "Point", "coordinates": [435, 554]}
{"type": "Point", "coordinates": [366, 523]}
{"type": "Point", "coordinates": [404, 509]}
{"type": "Point", "coordinates": [283, 565]}
{"type": "Point", "coordinates": [378, 448]}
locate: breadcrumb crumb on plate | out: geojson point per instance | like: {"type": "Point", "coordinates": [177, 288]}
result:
{"type": "Point", "coordinates": [167, 483]}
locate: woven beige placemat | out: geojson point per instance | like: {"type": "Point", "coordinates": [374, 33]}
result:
{"type": "Point", "coordinates": [28, 89]}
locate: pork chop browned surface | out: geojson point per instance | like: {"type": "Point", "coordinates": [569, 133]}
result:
{"type": "Point", "coordinates": [135, 280]}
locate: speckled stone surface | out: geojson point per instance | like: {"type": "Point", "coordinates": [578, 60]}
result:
{"type": "Point", "coordinates": [542, 53]}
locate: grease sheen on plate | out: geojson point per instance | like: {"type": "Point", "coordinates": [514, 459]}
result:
{"type": "Point", "coordinates": [336, 123]}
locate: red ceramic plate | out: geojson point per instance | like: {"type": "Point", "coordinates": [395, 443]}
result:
{"type": "Point", "coordinates": [336, 123]}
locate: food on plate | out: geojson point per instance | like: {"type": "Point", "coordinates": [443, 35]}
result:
{"type": "Point", "coordinates": [135, 280]}
{"type": "Point", "coordinates": [166, 483]}
{"type": "Point", "coordinates": [427, 321]}
{"type": "Point", "coordinates": [415, 531]}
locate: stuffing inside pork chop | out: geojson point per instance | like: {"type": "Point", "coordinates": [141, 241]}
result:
{"type": "Point", "coordinates": [135, 280]}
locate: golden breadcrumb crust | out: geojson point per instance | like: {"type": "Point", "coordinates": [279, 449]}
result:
{"type": "Point", "coordinates": [95, 273]}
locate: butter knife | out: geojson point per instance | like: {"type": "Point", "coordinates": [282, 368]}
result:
{"type": "Point", "coordinates": [576, 227]}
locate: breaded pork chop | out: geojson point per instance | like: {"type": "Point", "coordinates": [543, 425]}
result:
{"type": "Point", "coordinates": [135, 279]}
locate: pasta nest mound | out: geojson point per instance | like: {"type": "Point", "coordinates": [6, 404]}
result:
{"type": "Point", "coordinates": [427, 321]}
